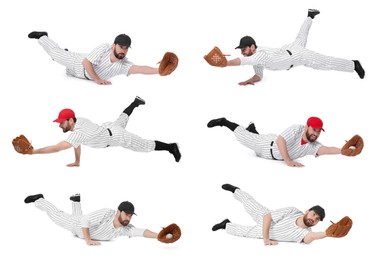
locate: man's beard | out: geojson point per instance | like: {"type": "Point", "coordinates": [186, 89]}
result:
{"type": "Point", "coordinates": [119, 56]}
{"type": "Point", "coordinates": [311, 138]}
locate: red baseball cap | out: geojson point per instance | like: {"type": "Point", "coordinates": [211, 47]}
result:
{"type": "Point", "coordinates": [315, 122]}
{"type": "Point", "coordinates": [64, 115]}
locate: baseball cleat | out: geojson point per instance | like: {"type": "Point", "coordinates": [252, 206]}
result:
{"type": "Point", "coordinates": [37, 35]}
{"type": "Point", "coordinates": [33, 198]}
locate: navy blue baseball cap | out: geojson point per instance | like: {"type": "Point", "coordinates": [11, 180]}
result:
{"type": "Point", "coordinates": [246, 41]}
{"type": "Point", "coordinates": [127, 207]}
{"type": "Point", "coordinates": [123, 40]}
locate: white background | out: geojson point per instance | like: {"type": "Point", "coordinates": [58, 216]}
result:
{"type": "Point", "coordinates": [34, 89]}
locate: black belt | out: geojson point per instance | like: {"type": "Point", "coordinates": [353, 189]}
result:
{"type": "Point", "coordinates": [290, 55]}
{"type": "Point", "coordinates": [86, 77]}
{"type": "Point", "coordinates": [110, 133]}
{"type": "Point", "coordinates": [271, 150]}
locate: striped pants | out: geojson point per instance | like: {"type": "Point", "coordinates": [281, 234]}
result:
{"type": "Point", "coordinates": [260, 144]}
{"type": "Point", "coordinates": [255, 210]}
{"type": "Point", "coordinates": [303, 56]}
{"type": "Point", "coordinates": [71, 60]}
{"type": "Point", "coordinates": [125, 139]}
{"type": "Point", "coordinates": [62, 219]}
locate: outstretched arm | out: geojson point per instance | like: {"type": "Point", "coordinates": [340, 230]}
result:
{"type": "Point", "coordinates": [234, 62]}
{"type": "Point", "coordinates": [328, 150]}
{"type": "Point", "coordinates": [53, 148]}
{"type": "Point", "coordinates": [255, 78]}
{"type": "Point", "coordinates": [149, 234]}
{"type": "Point", "coordinates": [314, 236]}
{"type": "Point", "coordinates": [267, 221]}
{"type": "Point", "coordinates": [77, 157]}
{"type": "Point", "coordinates": [90, 70]}
{"type": "Point", "coordinates": [146, 70]}
{"type": "Point", "coordinates": [88, 239]}
{"type": "Point", "coordinates": [281, 144]}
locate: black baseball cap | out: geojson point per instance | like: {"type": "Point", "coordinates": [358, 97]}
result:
{"type": "Point", "coordinates": [123, 40]}
{"type": "Point", "coordinates": [246, 41]}
{"type": "Point", "coordinates": [127, 207]}
{"type": "Point", "coordinates": [318, 210]}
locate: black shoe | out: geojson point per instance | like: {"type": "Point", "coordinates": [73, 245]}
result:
{"type": "Point", "coordinates": [252, 128]}
{"type": "Point", "coordinates": [229, 187]}
{"type": "Point", "coordinates": [358, 68]}
{"type": "Point", "coordinates": [37, 35]}
{"type": "Point", "coordinates": [216, 122]}
{"type": "Point", "coordinates": [139, 101]}
{"type": "Point", "coordinates": [75, 198]}
{"type": "Point", "coordinates": [33, 198]}
{"type": "Point", "coordinates": [312, 13]}
{"type": "Point", "coordinates": [66, 49]}
{"type": "Point", "coordinates": [176, 152]}
{"type": "Point", "coordinates": [221, 225]}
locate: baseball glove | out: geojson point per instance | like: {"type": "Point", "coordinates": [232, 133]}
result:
{"type": "Point", "coordinates": [340, 229]}
{"type": "Point", "coordinates": [169, 234]}
{"type": "Point", "coordinates": [22, 145]}
{"type": "Point", "coordinates": [168, 64]}
{"type": "Point", "coordinates": [353, 147]}
{"type": "Point", "coordinates": [216, 58]}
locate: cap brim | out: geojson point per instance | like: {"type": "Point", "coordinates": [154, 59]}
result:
{"type": "Point", "coordinates": [59, 120]}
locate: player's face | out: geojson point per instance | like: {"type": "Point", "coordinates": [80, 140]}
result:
{"type": "Point", "coordinates": [124, 218]}
{"type": "Point", "coordinates": [65, 125]}
{"type": "Point", "coordinates": [248, 51]}
{"type": "Point", "coordinates": [311, 218]}
{"type": "Point", "coordinates": [120, 51]}
{"type": "Point", "coordinates": [312, 134]}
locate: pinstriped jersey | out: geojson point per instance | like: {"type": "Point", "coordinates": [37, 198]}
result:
{"type": "Point", "coordinates": [88, 133]}
{"type": "Point", "coordinates": [101, 227]}
{"type": "Point", "coordinates": [293, 137]}
{"type": "Point", "coordinates": [104, 68]}
{"type": "Point", "coordinates": [284, 227]}
{"type": "Point", "coordinates": [269, 58]}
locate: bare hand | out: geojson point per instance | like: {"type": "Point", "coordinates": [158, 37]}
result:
{"type": "Point", "coordinates": [269, 242]}
{"type": "Point", "coordinates": [75, 164]}
{"type": "Point", "coordinates": [244, 83]}
{"type": "Point", "coordinates": [93, 243]}
{"type": "Point", "coordinates": [294, 164]}
{"type": "Point", "coordinates": [103, 82]}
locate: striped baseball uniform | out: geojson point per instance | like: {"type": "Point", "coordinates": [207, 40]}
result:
{"type": "Point", "coordinates": [108, 134]}
{"type": "Point", "coordinates": [283, 226]}
{"type": "Point", "coordinates": [265, 145]}
{"type": "Point", "coordinates": [100, 222]}
{"type": "Point", "coordinates": [294, 54]}
{"type": "Point", "coordinates": [99, 57]}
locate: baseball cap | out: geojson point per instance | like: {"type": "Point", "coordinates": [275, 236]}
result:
{"type": "Point", "coordinates": [127, 207]}
{"type": "Point", "coordinates": [318, 210]}
{"type": "Point", "coordinates": [64, 115]}
{"type": "Point", "coordinates": [245, 42]}
{"type": "Point", "coordinates": [315, 122]}
{"type": "Point", "coordinates": [123, 40]}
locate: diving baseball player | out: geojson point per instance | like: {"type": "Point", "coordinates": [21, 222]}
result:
{"type": "Point", "coordinates": [109, 134]}
{"type": "Point", "coordinates": [285, 224]}
{"type": "Point", "coordinates": [289, 56]}
{"type": "Point", "coordinates": [295, 142]}
{"type": "Point", "coordinates": [101, 225]}
{"type": "Point", "coordinates": [101, 64]}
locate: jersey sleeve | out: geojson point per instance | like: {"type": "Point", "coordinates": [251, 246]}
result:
{"type": "Point", "coordinates": [132, 231]}
{"type": "Point", "coordinates": [291, 133]}
{"type": "Point", "coordinates": [279, 214]}
{"type": "Point", "coordinates": [76, 138]}
{"type": "Point", "coordinates": [95, 55]}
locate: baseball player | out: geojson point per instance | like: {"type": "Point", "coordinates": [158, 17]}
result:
{"type": "Point", "coordinates": [101, 225]}
{"type": "Point", "coordinates": [108, 134]}
{"type": "Point", "coordinates": [285, 224]}
{"type": "Point", "coordinates": [295, 142]}
{"type": "Point", "coordinates": [103, 63]}
{"type": "Point", "coordinates": [290, 55]}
